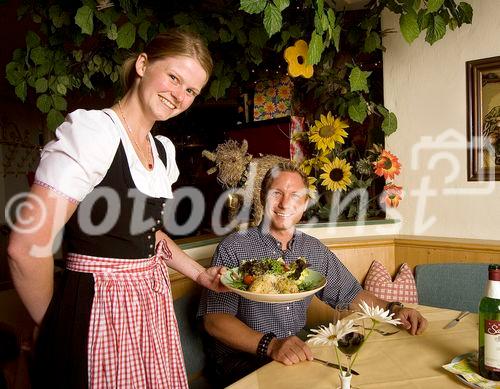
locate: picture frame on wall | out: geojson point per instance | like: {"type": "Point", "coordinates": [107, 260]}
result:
{"type": "Point", "coordinates": [483, 119]}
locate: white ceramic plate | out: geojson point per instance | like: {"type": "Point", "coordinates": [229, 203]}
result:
{"type": "Point", "coordinates": [316, 278]}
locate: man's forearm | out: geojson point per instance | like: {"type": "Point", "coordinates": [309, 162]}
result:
{"type": "Point", "coordinates": [231, 331]}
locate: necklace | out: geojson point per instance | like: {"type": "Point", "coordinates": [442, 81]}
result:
{"type": "Point", "coordinates": [129, 130]}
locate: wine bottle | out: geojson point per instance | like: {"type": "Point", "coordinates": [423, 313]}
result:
{"type": "Point", "coordinates": [489, 327]}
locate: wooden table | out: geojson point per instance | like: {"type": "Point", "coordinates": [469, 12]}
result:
{"type": "Point", "coordinates": [396, 361]}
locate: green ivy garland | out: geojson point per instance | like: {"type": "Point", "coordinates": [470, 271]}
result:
{"type": "Point", "coordinates": [78, 47]}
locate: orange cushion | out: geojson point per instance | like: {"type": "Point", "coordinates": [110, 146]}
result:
{"type": "Point", "coordinates": [403, 288]}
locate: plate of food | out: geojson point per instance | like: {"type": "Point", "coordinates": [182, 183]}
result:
{"type": "Point", "coordinates": [274, 281]}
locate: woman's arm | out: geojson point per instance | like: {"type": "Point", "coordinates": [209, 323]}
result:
{"type": "Point", "coordinates": [30, 250]}
{"type": "Point", "coordinates": [183, 263]}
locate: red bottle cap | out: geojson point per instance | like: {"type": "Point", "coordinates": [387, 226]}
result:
{"type": "Point", "coordinates": [494, 272]}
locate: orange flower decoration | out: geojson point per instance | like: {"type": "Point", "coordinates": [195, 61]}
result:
{"type": "Point", "coordinates": [387, 165]}
{"type": "Point", "coordinates": [296, 56]}
{"type": "Point", "coordinates": [394, 195]}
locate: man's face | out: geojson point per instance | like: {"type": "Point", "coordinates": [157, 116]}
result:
{"type": "Point", "coordinates": [286, 201]}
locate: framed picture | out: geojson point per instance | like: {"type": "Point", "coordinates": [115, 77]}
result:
{"type": "Point", "coordinates": [483, 119]}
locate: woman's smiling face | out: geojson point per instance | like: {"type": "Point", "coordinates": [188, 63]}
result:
{"type": "Point", "coordinates": [168, 86]}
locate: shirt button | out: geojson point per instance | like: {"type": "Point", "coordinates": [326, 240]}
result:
{"type": "Point", "coordinates": [289, 333]}
{"type": "Point", "coordinates": [287, 308]}
{"type": "Point", "coordinates": [163, 204]}
{"type": "Point", "coordinates": [150, 246]}
{"type": "Point", "coordinates": [149, 237]}
{"type": "Point", "coordinates": [162, 212]}
{"type": "Point", "coordinates": [153, 229]}
{"type": "Point", "coordinates": [158, 221]}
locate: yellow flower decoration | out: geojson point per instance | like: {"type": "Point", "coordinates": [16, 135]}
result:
{"type": "Point", "coordinates": [337, 175]}
{"type": "Point", "coordinates": [327, 131]}
{"type": "Point", "coordinates": [316, 162]}
{"type": "Point", "coordinates": [296, 56]}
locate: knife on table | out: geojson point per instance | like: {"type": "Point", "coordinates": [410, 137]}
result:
{"type": "Point", "coordinates": [454, 322]}
{"type": "Point", "coordinates": [331, 364]}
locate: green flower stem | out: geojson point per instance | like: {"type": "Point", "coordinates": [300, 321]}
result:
{"type": "Point", "coordinates": [338, 359]}
{"type": "Point", "coordinates": [374, 323]}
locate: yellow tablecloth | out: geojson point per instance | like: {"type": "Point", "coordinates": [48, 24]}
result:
{"type": "Point", "coordinates": [396, 361]}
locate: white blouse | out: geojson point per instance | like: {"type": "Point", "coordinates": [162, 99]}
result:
{"type": "Point", "coordinates": [85, 146]}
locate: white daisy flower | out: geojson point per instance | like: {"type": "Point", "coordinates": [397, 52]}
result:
{"type": "Point", "coordinates": [330, 335]}
{"type": "Point", "coordinates": [377, 314]}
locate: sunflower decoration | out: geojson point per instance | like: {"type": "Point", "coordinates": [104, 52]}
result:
{"type": "Point", "coordinates": [316, 163]}
{"type": "Point", "coordinates": [327, 131]}
{"type": "Point", "coordinates": [336, 175]}
{"type": "Point", "coordinates": [394, 195]}
{"type": "Point", "coordinates": [296, 56]}
{"type": "Point", "coordinates": [387, 165]}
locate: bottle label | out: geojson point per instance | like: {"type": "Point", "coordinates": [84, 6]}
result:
{"type": "Point", "coordinates": [492, 344]}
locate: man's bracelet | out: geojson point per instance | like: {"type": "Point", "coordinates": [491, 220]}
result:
{"type": "Point", "coordinates": [264, 344]}
{"type": "Point", "coordinates": [395, 304]}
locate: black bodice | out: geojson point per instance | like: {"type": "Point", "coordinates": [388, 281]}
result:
{"type": "Point", "coordinates": [116, 220]}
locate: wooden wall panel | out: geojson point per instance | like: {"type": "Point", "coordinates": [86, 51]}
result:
{"type": "Point", "coordinates": [416, 251]}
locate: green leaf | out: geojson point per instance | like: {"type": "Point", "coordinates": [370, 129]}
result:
{"type": "Point", "coordinates": [434, 5]}
{"type": "Point", "coordinates": [295, 31]}
{"type": "Point", "coordinates": [78, 55]}
{"type": "Point", "coordinates": [357, 111]}
{"type": "Point", "coordinates": [32, 40]}
{"type": "Point", "coordinates": [358, 80]}
{"type": "Point", "coordinates": [39, 55]}
{"type": "Point", "coordinates": [44, 103]}
{"type": "Point", "coordinates": [22, 90]}
{"type": "Point", "coordinates": [383, 111]}
{"type": "Point", "coordinates": [54, 119]}
{"type": "Point", "coordinates": [409, 26]}
{"type": "Point", "coordinates": [372, 42]}
{"type": "Point", "coordinates": [218, 87]}
{"type": "Point", "coordinates": [54, 12]}
{"type": "Point", "coordinates": [225, 35]}
{"type": "Point", "coordinates": [466, 11]}
{"type": "Point", "coordinates": [253, 6]}
{"type": "Point", "coordinates": [318, 24]}
{"type": "Point", "coordinates": [258, 37]}
{"type": "Point", "coordinates": [182, 19]}
{"type": "Point", "coordinates": [315, 49]}
{"type": "Point", "coordinates": [436, 29]}
{"type": "Point", "coordinates": [281, 4]}
{"type": "Point", "coordinates": [59, 102]}
{"type": "Point", "coordinates": [126, 36]}
{"type": "Point", "coordinates": [143, 30]}
{"type": "Point", "coordinates": [331, 17]}
{"type": "Point", "coordinates": [241, 37]}
{"type": "Point", "coordinates": [423, 20]}
{"type": "Point", "coordinates": [14, 72]}
{"type": "Point", "coordinates": [108, 68]}
{"type": "Point", "coordinates": [272, 19]}
{"type": "Point", "coordinates": [336, 37]}
{"type": "Point", "coordinates": [84, 19]}
{"type": "Point", "coordinates": [41, 85]}
{"type": "Point", "coordinates": [43, 69]}
{"type": "Point", "coordinates": [390, 124]}
{"type": "Point", "coordinates": [86, 81]}
{"type": "Point", "coordinates": [61, 89]}
{"type": "Point", "coordinates": [107, 16]}
{"type": "Point", "coordinates": [112, 32]}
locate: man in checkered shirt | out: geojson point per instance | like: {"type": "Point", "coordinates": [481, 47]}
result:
{"type": "Point", "coordinates": [248, 334]}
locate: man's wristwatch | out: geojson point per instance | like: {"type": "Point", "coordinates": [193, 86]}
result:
{"type": "Point", "coordinates": [393, 306]}
{"type": "Point", "coordinates": [264, 344]}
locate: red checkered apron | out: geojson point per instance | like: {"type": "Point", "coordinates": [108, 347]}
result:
{"type": "Point", "coordinates": [133, 336]}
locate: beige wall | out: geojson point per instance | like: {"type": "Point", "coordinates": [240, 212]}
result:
{"type": "Point", "coordinates": [426, 88]}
